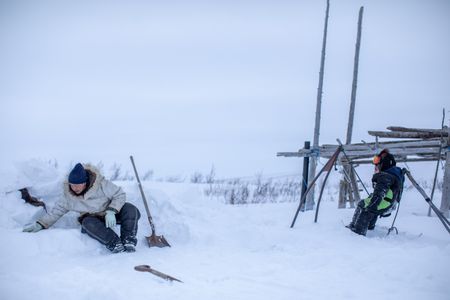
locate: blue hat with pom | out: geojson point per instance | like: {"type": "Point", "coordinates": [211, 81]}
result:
{"type": "Point", "coordinates": [78, 174]}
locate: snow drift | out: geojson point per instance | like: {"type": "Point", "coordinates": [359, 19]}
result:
{"type": "Point", "coordinates": [219, 251]}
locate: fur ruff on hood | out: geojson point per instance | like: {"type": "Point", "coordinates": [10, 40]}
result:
{"type": "Point", "coordinates": [100, 196]}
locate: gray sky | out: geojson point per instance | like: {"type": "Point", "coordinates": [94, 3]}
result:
{"type": "Point", "coordinates": [183, 85]}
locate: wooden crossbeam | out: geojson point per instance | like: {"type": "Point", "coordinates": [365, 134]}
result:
{"type": "Point", "coordinates": [382, 145]}
{"type": "Point", "coordinates": [367, 150]}
{"type": "Point", "coordinates": [327, 153]}
{"type": "Point", "coordinates": [405, 129]}
{"type": "Point", "coordinates": [406, 135]}
{"type": "Point", "coordinates": [397, 159]}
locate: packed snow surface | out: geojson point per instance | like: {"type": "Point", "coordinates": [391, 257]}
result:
{"type": "Point", "coordinates": [220, 251]}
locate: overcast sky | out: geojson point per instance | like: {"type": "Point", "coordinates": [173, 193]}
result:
{"type": "Point", "coordinates": [183, 85]}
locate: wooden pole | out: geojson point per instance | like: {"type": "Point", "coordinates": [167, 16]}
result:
{"type": "Point", "coordinates": [355, 78]}
{"type": "Point", "coordinates": [355, 188]}
{"type": "Point", "coordinates": [312, 172]}
{"type": "Point", "coordinates": [352, 179]}
{"type": "Point", "coordinates": [320, 195]}
{"type": "Point", "coordinates": [305, 174]}
{"type": "Point", "coordinates": [437, 163]}
{"type": "Point", "coordinates": [342, 193]}
{"type": "Point", "coordinates": [445, 201]}
{"type": "Point", "coordinates": [328, 167]}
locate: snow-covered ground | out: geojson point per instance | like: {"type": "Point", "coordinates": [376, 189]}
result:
{"type": "Point", "coordinates": [221, 251]}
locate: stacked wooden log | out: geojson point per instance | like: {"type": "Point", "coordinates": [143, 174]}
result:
{"type": "Point", "coordinates": [410, 133]}
{"type": "Point", "coordinates": [416, 145]}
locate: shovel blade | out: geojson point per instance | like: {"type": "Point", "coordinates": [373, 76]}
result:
{"type": "Point", "coordinates": [157, 241]}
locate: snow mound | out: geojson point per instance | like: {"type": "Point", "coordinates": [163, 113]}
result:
{"type": "Point", "coordinates": [225, 252]}
{"type": "Point", "coordinates": [40, 176]}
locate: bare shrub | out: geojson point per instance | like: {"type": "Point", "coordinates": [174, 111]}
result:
{"type": "Point", "coordinates": [258, 190]}
{"type": "Point", "coordinates": [175, 179]}
{"type": "Point", "coordinates": [127, 177]}
{"type": "Point", "coordinates": [116, 172]}
{"type": "Point", "coordinates": [148, 175]}
{"type": "Point", "coordinates": [197, 177]}
{"type": "Point", "coordinates": [237, 193]}
{"type": "Point", "coordinates": [211, 176]}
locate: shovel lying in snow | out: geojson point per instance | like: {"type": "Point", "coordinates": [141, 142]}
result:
{"type": "Point", "coordinates": [153, 240]}
{"type": "Point", "coordinates": [147, 268]}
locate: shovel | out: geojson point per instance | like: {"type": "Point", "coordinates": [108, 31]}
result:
{"type": "Point", "coordinates": [147, 268]}
{"type": "Point", "coordinates": [153, 240]}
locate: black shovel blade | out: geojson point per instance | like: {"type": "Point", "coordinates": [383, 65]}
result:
{"type": "Point", "coordinates": [157, 241]}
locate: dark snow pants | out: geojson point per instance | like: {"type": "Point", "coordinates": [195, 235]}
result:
{"type": "Point", "coordinates": [127, 217]}
{"type": "Point", "coordinates": [364, 219]}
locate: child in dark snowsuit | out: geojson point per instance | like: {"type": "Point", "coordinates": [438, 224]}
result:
{"type": "Point", "coordinates": [388, 187]}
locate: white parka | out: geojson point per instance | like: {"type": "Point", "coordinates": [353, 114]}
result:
{"type": "Point", "coordinates": [101, 195]}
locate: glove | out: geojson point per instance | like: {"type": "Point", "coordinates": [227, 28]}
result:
{"type": "Point", "coordinates": [35, 227]}
{"type": "Point", "coordinates": [110, 219]}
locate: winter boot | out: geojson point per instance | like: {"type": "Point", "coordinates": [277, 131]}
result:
{"type": "Point", "coordinates": [129, 244]}
{"type": "Point", "coordinates": [116, 247]}
{"type": "Point", "coordinates": [372, 222]}
{"type": "Point", "coordinates": [129, 248]}
{"type": "Point", "coordinates": [362, 222]}
{"type": "Point", "coordinates": [356, 214]}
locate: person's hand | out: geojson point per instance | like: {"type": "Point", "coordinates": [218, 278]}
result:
{"type": "Point", "coordinates": [110, 219]}
{"type": "Point", "coordinates": [35, 227]}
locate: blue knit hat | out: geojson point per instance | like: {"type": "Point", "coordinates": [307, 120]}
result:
{"type": "Point", "coordinates": [78, 174]}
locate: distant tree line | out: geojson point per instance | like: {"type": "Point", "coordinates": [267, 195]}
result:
{"type": "Point", "coordinates": [235, 191]}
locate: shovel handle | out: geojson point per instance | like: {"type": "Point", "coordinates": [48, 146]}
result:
{"type": "Point", "coordinates": [150, 220]}
{"type": "Point", "coordinates": [147, 268]}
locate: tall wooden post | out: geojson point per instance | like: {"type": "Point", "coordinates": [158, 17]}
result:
{"type": "Point", "coordinates": [312, 171]}
{"type": "Point", "coordinates": [445, 202]}
{"type": "Point", "coordinates": [443, 141]}
{"type": "Point", "coordinates": [351, 174]}
{"type": "Point", "coordinates": [305, 175]}
{"type": "Point", "coordinates": [355, 79]}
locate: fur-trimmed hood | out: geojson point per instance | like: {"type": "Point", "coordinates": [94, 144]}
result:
{"type": "Point", "coordinates": [101, 195]}
{"type": "Point", "coordinates": [94, 180]}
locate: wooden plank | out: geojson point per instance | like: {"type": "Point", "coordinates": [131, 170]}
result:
{"type": "Point", "coordinates": [406, 135]}
{"type": "Point", "coordinates": [383, 145]}
{"type": "Point", "coordinates": [328, 150]}
{"type": "Point", "coordinates": [364, 153]}
{"type": "Point", "coordinates": [292, 154]}
{"type": "Point", "coordinates": [405, 129]}
{"type": "Point", "coordinates": [398, 160]}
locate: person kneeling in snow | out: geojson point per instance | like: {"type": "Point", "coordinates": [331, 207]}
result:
{"type": "Point", "coordinates": [99, 202]}
{"type": "Point", "coordinates": [388, 187]}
